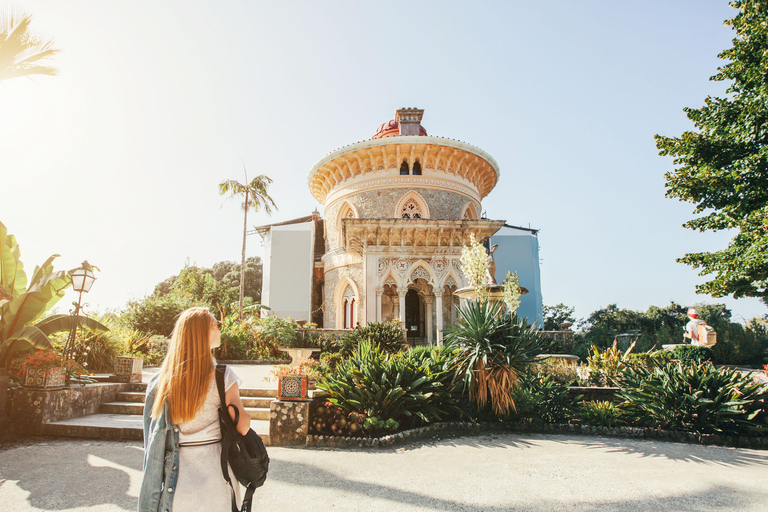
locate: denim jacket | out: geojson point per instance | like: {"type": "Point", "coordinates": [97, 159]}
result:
{"type": "Point", "coordinates": [161, 457]}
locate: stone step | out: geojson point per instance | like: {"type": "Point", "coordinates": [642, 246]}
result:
{"type": "Point", "coordinates": [122, 408]}
{"type": "Point", "coordinates": [141, 387]}
{"type": "Point", "coordinates": [119, 427]}
{"type": "Point", "coordinates": [258, 413]}
{"type": "Point", "coordinates": [258, 393]}
{"type": "Point", "coordinates": [256, 402]}
{"type": "Point", "coordinates": [129, 408]}
{"type": "Point", "coordinates": [136, 397]}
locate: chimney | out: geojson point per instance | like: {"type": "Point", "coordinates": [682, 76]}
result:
{"type": "Point", "coordinates": [409, 120]}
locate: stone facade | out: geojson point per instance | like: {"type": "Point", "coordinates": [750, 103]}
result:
{"type": "Point", "coordinates": [330, 290]}
{"type": "Point", "coordinates": [398, 210]}
{"type": "Point", "coordinates": [381, 203]}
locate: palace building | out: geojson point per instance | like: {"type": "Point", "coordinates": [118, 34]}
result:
{"type": "Point", "coordinates": [398, 208]}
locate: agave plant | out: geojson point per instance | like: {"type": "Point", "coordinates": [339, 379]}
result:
{"type": "Point", "coordinates": [22, 302]}
{"type": "Point", "coordinates": [697, 398]}
{"type": "Point", "coordinates": [494, 348]}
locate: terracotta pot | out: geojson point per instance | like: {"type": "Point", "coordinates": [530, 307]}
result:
{"type": "Point", "coordinates": [53, 378]}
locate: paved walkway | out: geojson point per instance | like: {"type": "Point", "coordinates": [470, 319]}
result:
{"type": "Point", "coordinates": [488, 473]}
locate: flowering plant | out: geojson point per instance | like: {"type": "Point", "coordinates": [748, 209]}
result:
{"type": "Point", "coordinates": [39, 359]}
{"type": "Point", "coordinates": [512, 291]}
{"type": "Point", "coordinates": [474, 265]}
{"type": "Point", "coordinates": [303, 367]}
{"type": "Point", "coordinates": [45, 360]}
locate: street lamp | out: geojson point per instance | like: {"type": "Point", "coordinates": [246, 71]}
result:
{"type": "Point", "coordinates": [82, 280]}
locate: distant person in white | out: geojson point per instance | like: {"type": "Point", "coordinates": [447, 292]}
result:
{"type": "Point", "coordinates": [692, 327]}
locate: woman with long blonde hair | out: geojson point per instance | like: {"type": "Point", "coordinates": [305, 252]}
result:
{"type": "Point", "coordinates": [182, 448]}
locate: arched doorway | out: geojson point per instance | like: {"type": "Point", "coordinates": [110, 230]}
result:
{"type": "Point", "coordinates": [414, 317]}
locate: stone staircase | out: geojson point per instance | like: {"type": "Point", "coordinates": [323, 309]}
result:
{"type": "Point", "coordinates": [123, 418]}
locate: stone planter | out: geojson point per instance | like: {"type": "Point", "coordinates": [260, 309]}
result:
{"type": "Point", "coordinates": [52, 378]}
{"type": "Point", "coordinates": [293, 388]}
{"type": "Point", "coordinates": [128, 369]}
{"type": "Point", "coordinates": [297, 354]}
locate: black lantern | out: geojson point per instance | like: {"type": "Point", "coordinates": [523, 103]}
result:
{"type": "Point", "coordinates": [82, 280]}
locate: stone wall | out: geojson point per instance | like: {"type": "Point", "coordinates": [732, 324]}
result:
{"type": "Point", "coordinates": [381, 203]}
{"type": "Point", "coordinates": [31, 409]}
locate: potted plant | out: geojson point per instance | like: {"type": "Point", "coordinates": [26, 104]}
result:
{"type": "Point", "coordinates": [40, 369]}
{"type": "Point", "coordinates": [287, 336]}
{"type": "Point", "coordinates": [296, 379]}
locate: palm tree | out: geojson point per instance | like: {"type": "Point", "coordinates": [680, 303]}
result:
{"type": "Point", "coordinates": [256, 198]}
{"type": "Point", "coordinates": [22, 52]}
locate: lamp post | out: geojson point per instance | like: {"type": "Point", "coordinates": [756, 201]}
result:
{"type": "Point", "coordinates": [82, 280]}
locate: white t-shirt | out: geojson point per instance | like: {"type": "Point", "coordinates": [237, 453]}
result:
{"type": "Point", "coordinates": [693, 328]}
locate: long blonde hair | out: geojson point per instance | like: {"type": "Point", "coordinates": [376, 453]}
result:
{"type": "Point", "coordinates": [186, 371]}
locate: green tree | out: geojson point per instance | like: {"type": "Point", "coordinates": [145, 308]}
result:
{"type": "Point", "coordinates": [22, 53]}
{"type": "Point", "coordinates": [723, 165]}
{"type": "Point", "coordinates": [554, 316]}
{"type": "Point", "coordinates": [255, 197]}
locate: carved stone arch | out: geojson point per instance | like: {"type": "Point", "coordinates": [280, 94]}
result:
{"type": "Point", "coordinates": [390, 278]}
{"type": "Point", "coordinates": [452, 278]}
{"type": "Point", "coordinates": [411, 204]}
{"type": "Point", "coordinates": [469, 212]}
{"type": "Point", "coordinates": [421, 269]}
{"type": "Point", "coordinates": [339, 296]}
{"type": "Point", "coordinates": [347, 210]}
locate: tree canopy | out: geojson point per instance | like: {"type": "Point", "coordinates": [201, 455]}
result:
{"type": "Point", "coordinates": [723, 165]}
{"type": "Point", "coordinates": [21, 52]}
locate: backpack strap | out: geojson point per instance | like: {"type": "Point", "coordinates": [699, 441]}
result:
{"type": "Point", "coordinates": [225, 443]}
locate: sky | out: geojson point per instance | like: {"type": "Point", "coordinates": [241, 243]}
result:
{"type": "Point", "coordinates": [117, 159]}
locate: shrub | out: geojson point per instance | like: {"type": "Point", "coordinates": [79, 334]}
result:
{"type": "Point", "coordinates": [692, 354]}
{"type": "Point", "coordinates": [155, 350]}
{"type": "Point", "coordinates": [329, 362]}
{"type": "Point", "coordinates": [156, 315]}
{"type": "Point", "coordinates": [559, 371]}
{"type": "Point", "coordinates": [378, 385]}
{"type": "Point", "coordinates": [387, 335]}
{"type": "Point", "coordinates": [281, 332]}
{"type": "Point", "coordinates": [606, 365]}
{"type": "Point", "coordinates": [325, 342]}
{"type": "Point", "coordinates": [237, 339]}
{"type": "Point", "coordinates": [97, 349]}
{"type": "Point", "coordinates": [696, 398]}
{"type": "Point", "coordinates": [602, 413]}
{"type": "Point", "coordinates": [539, 397]}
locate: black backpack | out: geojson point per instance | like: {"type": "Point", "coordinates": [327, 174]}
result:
{"type": "Point", "coordinates": [246, 454]}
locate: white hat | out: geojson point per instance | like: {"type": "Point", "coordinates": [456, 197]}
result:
{"type": "Point", "coordinates": [692, 313]}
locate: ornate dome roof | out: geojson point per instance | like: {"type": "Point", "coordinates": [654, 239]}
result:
{"type": "Point", "coordinates": [392, 129]}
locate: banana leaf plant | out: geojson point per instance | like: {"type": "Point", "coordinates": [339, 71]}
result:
{"type": "Point", "coordinates": [24, 302]}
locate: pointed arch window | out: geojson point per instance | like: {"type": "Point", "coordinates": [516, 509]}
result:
{"type": "Point", "coordinates": [411, 210]}
{"type": "Point", "coordinates": [404, 168]}
{"type": "Point", "coordinates": [411, 206]}
{"type": "Point", "coordinates": [416, 168]}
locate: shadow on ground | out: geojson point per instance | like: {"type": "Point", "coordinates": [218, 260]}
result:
{"type": "Point", "coordinates": [71, 474]}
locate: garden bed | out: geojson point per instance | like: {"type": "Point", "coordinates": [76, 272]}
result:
{"type": "Point", "coordinates": [466, 428]}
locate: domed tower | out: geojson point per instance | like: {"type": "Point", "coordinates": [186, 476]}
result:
{"type": "Point", "coordinates": [398, 209]}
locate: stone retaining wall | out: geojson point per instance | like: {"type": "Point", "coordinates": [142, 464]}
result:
{"type": "Point", "coordinates": [463, 428]}
{"type": "Point", "coordinates": [30, 409]}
